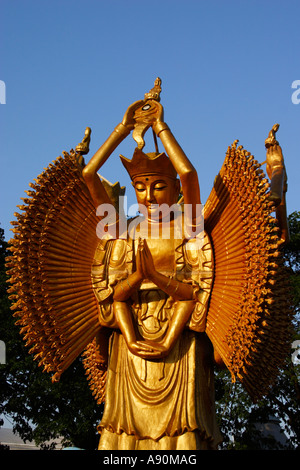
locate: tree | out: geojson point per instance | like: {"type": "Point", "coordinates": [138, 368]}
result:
{"type": "Point", "coordinates": [291, 255]}
{"type": "Point", "coordinates": [42, 411]}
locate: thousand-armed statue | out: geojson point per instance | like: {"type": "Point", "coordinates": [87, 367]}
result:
{"type": "Point", "coordinates": [153, 303]}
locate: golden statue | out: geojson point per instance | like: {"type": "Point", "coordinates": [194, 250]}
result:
{"type": "Point", "coordinates": [154, 302]}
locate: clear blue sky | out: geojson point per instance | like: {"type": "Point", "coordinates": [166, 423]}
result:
{"type": "Point", "coordinates": [227, 68]}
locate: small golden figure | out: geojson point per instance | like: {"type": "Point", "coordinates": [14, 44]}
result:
{"type": "Point", "coordinates": [154, 93]}
{"type": "Point", "coordinates": [278, 177]}
{"type": "Point", "coordinates": [271, 139]}
{"type": "Point", "coordinates": [84, 146]}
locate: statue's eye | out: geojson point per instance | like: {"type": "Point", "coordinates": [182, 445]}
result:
{"type": "Point", "coordinates": [140, 188]}
{"type": "Point", "coordinates": [160, 187]}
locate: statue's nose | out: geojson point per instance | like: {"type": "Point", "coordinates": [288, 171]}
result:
{"type": "Point", "coordinates": [150, 196]}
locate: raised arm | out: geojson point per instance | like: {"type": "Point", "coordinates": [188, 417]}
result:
{"type": "Point", "coordinates": [90, 171]}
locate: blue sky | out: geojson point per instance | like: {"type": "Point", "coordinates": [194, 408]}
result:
{"type": "Point", "coordinates": [227, 69]}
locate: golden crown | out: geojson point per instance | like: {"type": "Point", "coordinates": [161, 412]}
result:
{"type": "Point", "coordinates": [148, 164]}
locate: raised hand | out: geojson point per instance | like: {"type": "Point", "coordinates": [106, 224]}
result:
{"type": "Point", "coordinates": [129, 119]}
{"type": "Point", "coordinates": [150, 112]}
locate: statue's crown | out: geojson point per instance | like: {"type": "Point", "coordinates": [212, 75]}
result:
{"type": "Point", "coordinates": [148, 164]}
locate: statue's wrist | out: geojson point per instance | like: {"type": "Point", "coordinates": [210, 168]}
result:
{"type": "Point", "coordinates": [122, 129]}
{"type": "Point", "coordinates": [160, 126]}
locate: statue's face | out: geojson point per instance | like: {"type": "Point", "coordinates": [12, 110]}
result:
{"type": "Point", "coordinates": [154, 190]}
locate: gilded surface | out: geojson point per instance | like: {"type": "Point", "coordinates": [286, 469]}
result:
{"type": "Point", "coordinates": [155, 302]}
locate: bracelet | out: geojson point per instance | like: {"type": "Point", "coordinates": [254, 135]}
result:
{"type": "Point", "coordinates": [121, 286]}
{"type": "Point", "coordinates": [160, 126]}
{"type": "Point", "coordinates": [177, 285]}
{"type": "Point", "coordinates": [176, 288]}
{"type": "Point", "coordinates": [121, 129]}
{"type": "Point", "coordinates": [128, 283]}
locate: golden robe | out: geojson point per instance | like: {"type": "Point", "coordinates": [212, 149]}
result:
{"type": "Point", "coordinates": [165, 403]}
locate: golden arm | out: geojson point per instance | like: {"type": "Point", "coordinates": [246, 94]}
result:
{"type": "Point", "coordinates": [96, 188]}
{"type": "Point", "coordinates": [186, 171]}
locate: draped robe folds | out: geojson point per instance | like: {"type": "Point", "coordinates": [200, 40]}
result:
{"type": "Point", "coordinates": [165, 403]}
